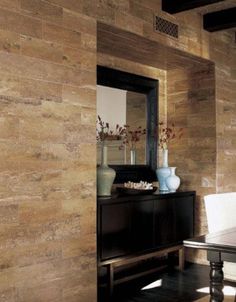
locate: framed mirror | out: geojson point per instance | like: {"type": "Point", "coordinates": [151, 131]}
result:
{"type": "Point", "coordinates": [130, 101]}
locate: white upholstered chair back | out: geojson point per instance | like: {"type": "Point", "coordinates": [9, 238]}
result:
{"type": "Point", "coordinates": [221, 214]}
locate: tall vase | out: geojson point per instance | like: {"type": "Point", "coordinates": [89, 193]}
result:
{"type": "Point", "coordinates": [163, 172]}
{"type": "Point", "coordinates": [105, 175]}
{"type": "Point", "coordinates": [172, 181]}
{"type": "Point", "coordinates": [133, 157]}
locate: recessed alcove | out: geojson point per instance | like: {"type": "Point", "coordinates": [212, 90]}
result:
{"type": "Point", "coordinates": [187, 98]}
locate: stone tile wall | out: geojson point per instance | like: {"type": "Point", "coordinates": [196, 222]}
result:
{"type": "Point", "coordinates": [47, 135]}
{"type": "Point", "coordinates": [47, 152]}
{"type": "Point", "coordinates": [191, 106]}
{"type": "Point", "coordinates": [224, 52]}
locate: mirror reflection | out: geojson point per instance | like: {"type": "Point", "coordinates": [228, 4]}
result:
{"type": "Point", "coordinates": [122, 116]}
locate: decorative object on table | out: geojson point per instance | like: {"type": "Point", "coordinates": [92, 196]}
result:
{"type": "Point", "coordinates": [164, 158]}
{"type": "Point", "coordinates": [172, 181]}
{"type": "Point", "coordinates": [162, 174]}
{"type": "Point", "coordinates": [142, 185]}
{"type": "Point", "coordinates": [105, 174]}
{"type": "Point", "coordinates": [133, 188]}
{"type": "Point", "coordinates": [131, 138]}
{"type": "Point", "coordinates": [133, 156]}
{"type": "Point", "coordinates": [166, 134]}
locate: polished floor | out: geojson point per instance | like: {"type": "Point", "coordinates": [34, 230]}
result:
{"type": "Point", "coordinates": [172, 286]}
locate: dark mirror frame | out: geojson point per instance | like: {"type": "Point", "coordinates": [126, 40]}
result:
{"type": "Point", "coordinates": [131, 82]}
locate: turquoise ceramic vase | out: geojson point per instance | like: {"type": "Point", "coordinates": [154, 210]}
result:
{"type": "Point", "coordinates": [105, 175]}
{"type": "Point", "coordinates": [163, 172]}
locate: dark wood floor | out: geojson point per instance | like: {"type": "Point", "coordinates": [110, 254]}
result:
{"type": "Point", "coordinates": [175, 287]}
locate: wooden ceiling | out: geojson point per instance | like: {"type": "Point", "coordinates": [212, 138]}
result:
{"type": "Point", "coordinates": [217, 14]}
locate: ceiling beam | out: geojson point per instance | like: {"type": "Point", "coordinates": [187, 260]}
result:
{"type": "Point", "coordinates": [220, 20]}
{"type": "Point", "coordinates": [176, 6]}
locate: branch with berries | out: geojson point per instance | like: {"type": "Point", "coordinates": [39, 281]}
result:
{"type": "Point", "coordinates": [105, 133]}
{"type": "Point", "coordinates": [132, 137]}
{"type": "Point", "coordinates": [167, 134]}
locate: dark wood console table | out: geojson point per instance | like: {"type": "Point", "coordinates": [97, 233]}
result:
{"type": "Point", "coordinates": [134, 228]}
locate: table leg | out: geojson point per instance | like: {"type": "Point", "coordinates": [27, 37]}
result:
{"type": "Point", "coordinates": [181, 259]}
{"type": "Point", "coordinates": [110, 273]}
{"type": "Point", "coordinates": [216, 281]}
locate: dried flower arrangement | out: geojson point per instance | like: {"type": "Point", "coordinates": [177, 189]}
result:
{"type": "Point", "coordinates": [128, 136]}
{"type": "Point", "coordinates": [104, 133]}
{"type": "Point", "coordinates": [167, 134]}
{"type": "Point", "coordinates": [132, 137]}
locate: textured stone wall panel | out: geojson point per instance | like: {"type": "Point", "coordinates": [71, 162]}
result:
{"type": "Point", "coordinates": [48, 105]}
{"type": "Point", "coordinates": [47, 121]}
{"type": "Point", "coordinates": [191, 99]}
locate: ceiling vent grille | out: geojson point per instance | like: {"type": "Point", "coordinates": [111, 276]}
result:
{"type": "Point", "coordinates": [166, 27]}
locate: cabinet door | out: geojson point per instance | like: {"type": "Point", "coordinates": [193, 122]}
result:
{"type": "Point", "coordinates": [164, 222]}
{"type": "Point", "coordinates": [184, 217]}
{"type": "Point", "coordinates": [142, 225]}
{"type": "Point", "coordinates": [115, 230]}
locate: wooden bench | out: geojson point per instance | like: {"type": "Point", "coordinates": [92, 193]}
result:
{"type": "Point", "coordinates": [117, 262]}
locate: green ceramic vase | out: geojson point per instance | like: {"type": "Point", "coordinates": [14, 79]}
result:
{"type": "Point", "coordinates": [105, 176]}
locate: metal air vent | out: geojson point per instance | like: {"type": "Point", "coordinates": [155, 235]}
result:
{"type": "Point", "coordinates": [166, 27]}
